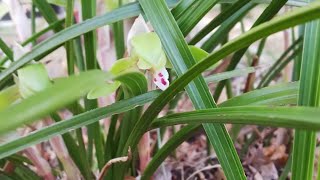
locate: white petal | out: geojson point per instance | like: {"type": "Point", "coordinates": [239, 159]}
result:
{"type": "Point", "coordinates": [139, 26]}
{"type": "Point", "coordinates": [160, 78]}
{"type": "Point", "coordinates": [162, 72]}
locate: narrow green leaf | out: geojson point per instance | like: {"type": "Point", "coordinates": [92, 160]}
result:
{"type": "Point", "coordinates": [6, 50]}
{"type": "Point", "coordinates": [58, 2]}
{"type": "Point", "coordinates": [297, 43]}
{"type": "Point", "coordinates": [291, 117]}
{"type": "Point", "coordinates": [69, 44]}
{"type": "Point", "coordinates": [298, 59]}
{"type": "Point", "coordinates": [47, 12]}
{"type": "Point", "coordinates": [89, 37]}
{"type": "Point", "coordinates": [286, 169]}
{"type": "Point", "coordinates": [230, 74]}
{"type": "Point", "coordinates": [50, 99]}
{"type": "Point", "coordinates": [218, 20]}
{"type": "Point", "coordinates": [305, 141]}
{"type": "Point", "coordinates": [75, 122]}
{"type": "Point", "coordinates": [94, 131]}
{"type": "Point", "coordinates": [118, 32]}
{"type": "Point", "coordinates": [76, 151]}
{"type": "Point", "coordinates": [278, 67]}
{"type": "Point", "coordinates": [222, 32]}
{"type": "Point", "coordinates": [282, 94]}
{"type": "Point", "coordinates": [183, 5]}
{"type": "Point", "coordinates": [33, 21]}
{"type": "Point", "coordinates": [297, 3]}
{"type": "Point", "coordinates": [194, 13]}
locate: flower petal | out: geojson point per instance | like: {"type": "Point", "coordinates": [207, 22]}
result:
{"type": "Point", "coordinates": [139, 27]}
{"type": "Point", "coordinates": [147, 47]}
{"type": "Point", "coordinates": [160, 78]}
{"type": "Point", "coordinates": [124, 65]}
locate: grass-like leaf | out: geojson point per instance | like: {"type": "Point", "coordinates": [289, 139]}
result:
{"type": "Point", "coordinates": [305, 141]}
{"type": "Point", "coordinates": [218, 20]}
{"type": "Point", "coordinates": [47, 12]}
{"type": "Point", "coordinates": [281, 63]}
{"type": "Point", "coordinates": [193, 14]}
{"type": "Point", "coordinates": [75, 122]}
{"type": "Point", "coordinates": [221, 33]}
{"type": "Point", "coordinates": [50, 99]}
{"type": "Point", "coordinates": [183, 5]}
{"type": "Point", "coordinates": [291, 117]}
{"type": "Point", "coordinates": [6, 50]}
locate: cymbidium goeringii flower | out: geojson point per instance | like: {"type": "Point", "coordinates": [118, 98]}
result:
{"type": "Point", "coordinates": [145, 48]}
{"type": "Point", "coordinates": [144, 53]}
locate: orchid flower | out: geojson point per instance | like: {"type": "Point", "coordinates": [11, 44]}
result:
{"type": "Point", "coordinates": [148, 50]}
{"type": "Point", "coordinates": [145, 52]}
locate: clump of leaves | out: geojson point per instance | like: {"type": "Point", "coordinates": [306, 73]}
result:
{"type": "Point", "coordinates": [157, 65]}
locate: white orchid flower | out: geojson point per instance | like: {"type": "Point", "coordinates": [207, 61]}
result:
{"type": "Point", "coordinates": [145, 47]}
{"type": "Point", "coordinates": [144, 53]}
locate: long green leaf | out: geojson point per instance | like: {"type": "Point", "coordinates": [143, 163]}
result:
{"type": "Point", "coordinates": [229, 74]}
{"type": "Point", "coordinates": [47, 12]}
{"type": "Point", "coordinates": [193, 14]}
{"type": "Point", "coordinates": [291, 117]}
{"type": "Point", "coordinates": [278, 67]}
{"type": "Point", "coordinates": [183, 5]}
{"type": "Point", "coordinates": [6, 50]}
{"type": "Point", "coordinates": [281, 63]}
{"type": "Point", "coordinates": [181, 58]}
{"type": "Point", "coordinates": [218, 20]}
{"type": "Point", "coordinates": [76, 151]}
{"type": "Point", "coordinates": [75, 122]}
{"type": "Point", "coordinates": [69, 44]}
{"type": "Point", "coordinates": [51, 99]}
{"type": "Point", "coordinates": [305, 141]}
{"type": "Point", "coordinates": [94, 132]}
{"type": "Point", "coordinates": [282, 94]}
{"type": "Point", "coordinates": [289, 3]}
{"type": "Point", "coordinates": [222, 32]}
